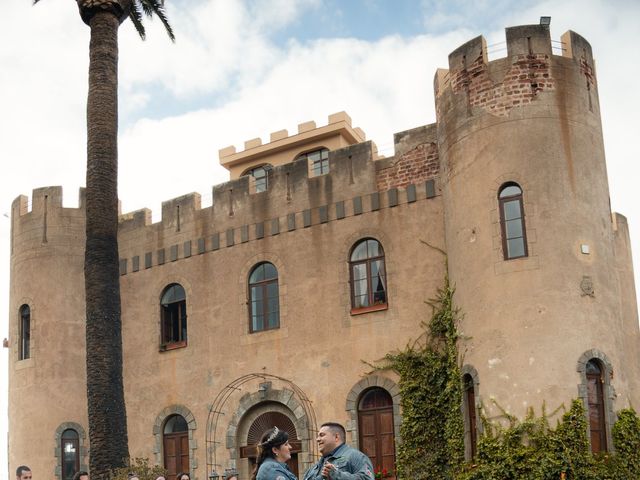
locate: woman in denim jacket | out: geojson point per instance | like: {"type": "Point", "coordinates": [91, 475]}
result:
{"type": "Point", "coordinates": [273, 452]}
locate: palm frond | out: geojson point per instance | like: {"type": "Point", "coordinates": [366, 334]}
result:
{"type": "Point", "coordinates": [157, 6]}
{"type": "Point", "coordinates": [136, 18]}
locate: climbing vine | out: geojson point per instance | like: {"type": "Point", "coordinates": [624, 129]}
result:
{"type": "Point", "coordinates": [430, 387]}
{"type": "Point", "coordinates": [432, 429]}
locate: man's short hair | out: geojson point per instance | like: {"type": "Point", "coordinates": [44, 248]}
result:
{"type": "Point", "coordinates": [21, 469]}
{"type": "Point", "coordinates": [336, 428]}
{"type": "Point", "coordinates": [80, 474]}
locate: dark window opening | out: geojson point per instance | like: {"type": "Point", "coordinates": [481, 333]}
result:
{"type": "Point", "coordinates": [319, 160]}
{"type": "Point", "coordinates": [174, 317]}
{"type": "Point", "coordinates": [368, 276]}
{"type": "Point", "coordinates": [24, 348]}
{"type": "Point", "coordinates": [264, 304]}
{"type": "Point", "coordinates": [512, 225]}
{"type": "Point", "coordinates": [470, 407]}
{"type": "Point", "coordinates": [260, 176]}
{"type": "Point", "coordinates": [70, 452]}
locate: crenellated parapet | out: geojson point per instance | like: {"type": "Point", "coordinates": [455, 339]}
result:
{"type": "Point", "coordinates": [529, 70]}
{"type": "Point", "coordinates": [294, 199]}
{"type": "Point", "coordinates": [283, 148]}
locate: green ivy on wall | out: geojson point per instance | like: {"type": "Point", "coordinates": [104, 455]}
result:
{"type": "Point", "coordinates": [432, 429]}
{"type": "Point", "coordinates": [431, 391]}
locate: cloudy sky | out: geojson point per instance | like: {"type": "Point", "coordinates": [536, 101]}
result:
{"type": "Point", "coordinates": [244, 68]}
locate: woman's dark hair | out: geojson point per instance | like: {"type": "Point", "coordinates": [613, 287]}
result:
{"type": "Point", "coordinates": [181, 474]}
{"type": "Point", "coordinates": [274, 437]}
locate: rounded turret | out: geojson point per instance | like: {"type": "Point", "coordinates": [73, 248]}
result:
{"type": "Point", "coordinates": [46, 328]}
{"type": "Point", "coordinates": [529, 232]}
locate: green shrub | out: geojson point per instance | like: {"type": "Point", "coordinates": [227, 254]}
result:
{"type": "Point", "coordinates": [140, 468]}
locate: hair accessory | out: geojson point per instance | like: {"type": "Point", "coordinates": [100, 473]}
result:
{"type": "Point", "coordinates": [275, 433]}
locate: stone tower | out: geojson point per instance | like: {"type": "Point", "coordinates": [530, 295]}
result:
{"type": "Point", "coordinates": [541, 294]}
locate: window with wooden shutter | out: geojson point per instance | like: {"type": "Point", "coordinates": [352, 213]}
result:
{"type": "Point", "coordinates": [595, 396]}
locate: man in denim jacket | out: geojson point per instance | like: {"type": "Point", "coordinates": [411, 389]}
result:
{"type": "Point", "coordinates": [339, 461]}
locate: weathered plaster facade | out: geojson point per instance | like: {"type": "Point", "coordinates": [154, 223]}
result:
{"type": "Point", "coordinates": [532, 118]}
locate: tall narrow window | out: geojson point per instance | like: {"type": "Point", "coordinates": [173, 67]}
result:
{"type": "Point", "coordinates": [368, 277]}
{"type": "Point", "coordinates": [595, 396]}
{"type": "Point", "coordinates": [375, 427]}
{"type": "Point", "coordinates": [264, 298]}
{"type": "Point", "coordinates": [69, 447]}
{"type": "Point", "coordinates": [175, 442]}
{"type": "Point", "coordinates": [514, 237]}
{"type": "Point", "coordinates": [174, 316]}
{"type": "Point", "coordinates": [318, 161]}
{"type": "Point", "coordinates": [24, 349]}
{"type": "Point", "coordinates": [260, 176]}
{"type": "Point", "coordinates": [470, 410]}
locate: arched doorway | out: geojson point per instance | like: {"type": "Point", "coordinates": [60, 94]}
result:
{"type": "Point", "coordinates": [375, 427]}
{"type": "Point", "coordinates": [175, 442]}
{"type": "Point", "coordinates": [263, 423]}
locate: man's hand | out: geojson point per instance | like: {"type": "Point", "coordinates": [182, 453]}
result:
{"type": "Point", "coordinates": [327, 469]}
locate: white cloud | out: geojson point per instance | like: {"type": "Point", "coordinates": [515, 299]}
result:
{"type": "Point", "coordinates": [225, 51]}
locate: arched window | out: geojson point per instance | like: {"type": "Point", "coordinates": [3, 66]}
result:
{"type": "Point", "coordinates": [368, 277]}
{"type": "Point", "coordinates": [70, 450]}
{"type": "Point", "coordinates": [595, 397]}
{"type": "Point", "coordinates": [174, 316]}
{"type": "Point", "coordinates": [24, 348]}
{"type": "Point", "coordinates": [264, 303]}
{"type": "Point", "coordinates": [471, 421]}
{"type": "Point", "coordinates": [318, 161]}
{"type": "Point", "coordinates": [375, 428]}
{"type": "Point", "coordinates": [175, 442]}
{"type": "Point", "coordinates": [514, 235]}
{"type": "Point", "coordinates": [261, 177]}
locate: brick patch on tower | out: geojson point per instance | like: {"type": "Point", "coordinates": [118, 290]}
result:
{"type": "Point", "coordinates": [415, 166]}
{"type": "Point", "coordinates": [528, 75]}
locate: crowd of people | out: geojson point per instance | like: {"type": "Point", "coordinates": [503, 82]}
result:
{"type": "Point", "coordinates": [339, 461]}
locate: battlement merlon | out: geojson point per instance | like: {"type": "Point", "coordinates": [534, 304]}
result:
{"type": "Point", "coordinates": [521, 40]}
{"type": "Point", "coordinates": [283, 148]}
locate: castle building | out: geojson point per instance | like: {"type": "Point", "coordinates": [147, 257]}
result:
{"type": "Point", "coordinates": [316, 259]}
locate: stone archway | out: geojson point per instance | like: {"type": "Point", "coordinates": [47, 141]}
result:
{"type": "Point", "coordinates": [260, 396]}
{"type": "Point", "coordinates": [352, 405]}
{"type": "Point", "coordinates": [158, 437]}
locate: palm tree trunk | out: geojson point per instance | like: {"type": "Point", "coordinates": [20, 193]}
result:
{"type": "Point", "coordinates": [105, 394]}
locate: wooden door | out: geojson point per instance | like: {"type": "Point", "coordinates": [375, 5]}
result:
{"type": "Point", "coordinates": [375, 422]}
{"type": "Point", "coordinates": [595, 396]}
{"type": "Point", "coordinates": [176, 453]}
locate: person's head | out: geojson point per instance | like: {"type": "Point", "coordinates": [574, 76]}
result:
{"type": "Point", "coordinates": [81, 476]}
{"type": "Point", "coordinates": [23, 473]}
{"type": "Point", "coordinates": [132, 476]}
{"type": "Point", "coordinates": [274, 443]}
{"type": "Point", "coordinates": [183, 476]}
{"type": "Point", "coordinates": [330, 436]}
{"type": "Point", "coordinates": [161, 477]}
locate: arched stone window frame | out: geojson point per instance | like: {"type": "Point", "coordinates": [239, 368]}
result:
{"type": "Point", "coordinates": [473, 373]}
{"type": "Point", "coordinates": [252, 405]}
{"type": "Point", "coordinates": [353, 397]}
{"type": "Point", "coordinates": [158, 430]}
{"type": "Point", "coordinates": [608, 391]}
{"type": "Point", "coordinates": [82, 445]}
